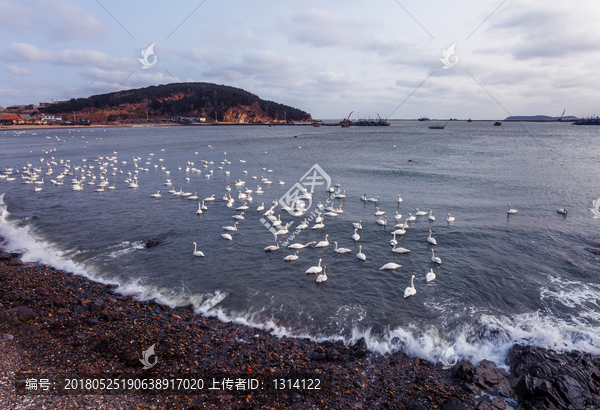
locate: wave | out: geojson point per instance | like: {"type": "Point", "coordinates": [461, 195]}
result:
{"type": "Point", "coordinates": [487, 336]}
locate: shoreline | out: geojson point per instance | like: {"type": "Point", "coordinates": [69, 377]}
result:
{"type": "Point", "coordinates": [55, 322]}
{"type": "Point", "coordinates": [88, 328]}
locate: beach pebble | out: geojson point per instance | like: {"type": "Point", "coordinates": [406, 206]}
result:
{"type": "Point", "coordinates": [7, 336]}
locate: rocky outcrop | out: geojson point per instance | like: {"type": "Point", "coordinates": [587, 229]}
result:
{"type": "Point", "coordinates": [546, 379]}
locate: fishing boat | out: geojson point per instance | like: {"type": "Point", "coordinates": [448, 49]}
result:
{"type": "Point", "coordinates": [497, 123]}
{"type": "Point", "coordinates": [595, 120]}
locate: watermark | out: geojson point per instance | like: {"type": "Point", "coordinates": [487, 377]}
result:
{"type": "Point", "coordinates": [145, 55]}
{"type": "Point", "coordinates": [449, 358]}
{"type": "Point", "coordinates": [3, 206]}
{"type": "Point", "coordinates": [595, 210]}
{"type": "Point", "coordinates": [147, 354]}
{"type": "Point", "coordinates": [297, 201]}
{"type": "Point", "coordinates": [447, 55]}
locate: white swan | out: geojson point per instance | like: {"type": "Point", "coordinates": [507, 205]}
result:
{"type": "Point", "coordinates": [319, 225]}
{"type": "Point", "coordinates": [562, 211]}
{"type": "Point", "coordinates": [431, 240]}
{"type": "Point", "coordinates": [197, 252]}
{"type": "Point", "coordinates": [451, 218]}
{"type": "Point", "coordinates": [300, 246]}
{"type": "Point", "coordinates": [430, 276]}
{"type": "Point", "coordinates": [411, 217]}
{"type": "Point", "coordinates": [420, 213]}
{"type": "Point", "coordinates": [435, 259]}
{"type": "Point", "coordinates": [319, 218]}
{"type": "Point", "coordinates": [399, 198]}
{"type": "Point", "coordinates": [511, 211]}
{"type": "Point", "coordinates": [431, 217]}
{"type": "Point", "coordinates": [271, 248]}
{"type": "Point", "coordinates": [410, 291]}
{"type": "Point", "coordinates": [238, 217]}
{"type": "Point", "coordinates": [378, 212]}
{"type": "Point", "coordinates": [394, 242]}
{"type": "Point", "coordinates": [356, 236]}
{"type": "Point", "coordinates": [231, 228]}
{"type": "Point", "coordinates": [292, 257]}
{"type": "Point", "coordinates": [261, 208]}
{"type": "Point", "coordinates": [399, 231]}
{"type": "Point", "coordinates": [210, 198]}
{"type": "Point", "coordinates": [376, 200]}
{"type": "Point", "coordinates": [283, 231]}
{"type": "Point", "coordinates": [315, 269]}
{"type": "Point", "coordinates": [199, 211]}
{"type": "Point", "coordinates": [227, 236]}
{"type": "Point", "coordinates": [204, 207]}
{"type": "Point", "coordinates": [193, 197]}
{"type": "Point", "coordinates": [397, 216]}
{"type": "Point", "coordinates": [243, 207]}
{"type": "Point", "coordinates": [303, 225]}
{"type": "Point", "coordinates": [390, 266]}
{"type": "Point", "coordinates": [361, 255]}
{"type": "Point", "coordinates": [322, 277]}
{"type": "Point", "coordinates": [324, 243]}
{"type": "Point", "coordinates": [382, 221]}
{"type": "Point", "coordinates": [364, 197]}
{"type": "Point", "coordinates": [341, 250]}
{"type": "Point", "coordinates": [156, 195]}
{"type": "Point", "coordinates": [400, 250]}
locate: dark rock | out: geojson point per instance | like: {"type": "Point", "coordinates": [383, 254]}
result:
{"type": "Point", "coordinates": [463, 370]}
{"type": "Point", "coordinates": [547, 379]}
{"type": "Point", "coordinates": [486, 374]}
{"type": "Point", "coordinates": [107, 318]}
{"type": "Point", "coordinates": [41, 291]}
{"type": "Point", "coordinates": [154, 242]}
{"type": "Point", "coordinates": [15, 262]}
{"type": "Point", "coordinates": [456, 404]}
{"type": "Point", "coordinates": [17, 315]}
{"type": "Point", "coordinates": [15, 254]}
{"type": "Point", "coordinates": [96, 306]}
{"type": "Point", "coordinates": [93, 321]}
{"type": "Point", "coordinates": [415, 405]}
{"type": "Point", "coordinates": [7, 337]}
{"type": "Point", "coordinates": [4, 256]}
{"type": "Point", "coordinates": [360, 348]}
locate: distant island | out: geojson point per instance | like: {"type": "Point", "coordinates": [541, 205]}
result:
{"type": "Point", "coordinates": [540, 118]}
{"type": "Point", "coordinates": [179, 102]}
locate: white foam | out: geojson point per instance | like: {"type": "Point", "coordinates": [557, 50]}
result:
{"type": "Point", "coordinates": [127, 247]}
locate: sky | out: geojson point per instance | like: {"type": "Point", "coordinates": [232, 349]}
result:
{"type": "Point", "coordinates": [389, 58]}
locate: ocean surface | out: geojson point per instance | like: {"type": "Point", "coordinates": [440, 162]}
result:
{"type": "Point", "coordinates": [525, 278]}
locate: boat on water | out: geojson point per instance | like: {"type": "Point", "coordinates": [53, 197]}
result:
{"type": "Point", "coordinates": [469, 120]}
{"type": "Point", "coordinates": [437, 127]}
{"type": "Point", "coordinates": [497, 123]}
{"type": "Point", "coordinates": [595, 120]}
{"type": "Point", "coordinates": [316, 124]}
{"type": "Point", "coordinates": [423, 119]}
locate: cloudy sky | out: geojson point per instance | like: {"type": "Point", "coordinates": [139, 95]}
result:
{"type": "Point", "coordinates": [328, 58]}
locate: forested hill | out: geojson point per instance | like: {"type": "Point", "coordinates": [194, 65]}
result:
{"type": "Point", "coordinates": [179, 100]}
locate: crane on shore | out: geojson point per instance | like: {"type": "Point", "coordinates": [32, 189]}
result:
{"type": "Point", "coordinates": [562, 115]}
